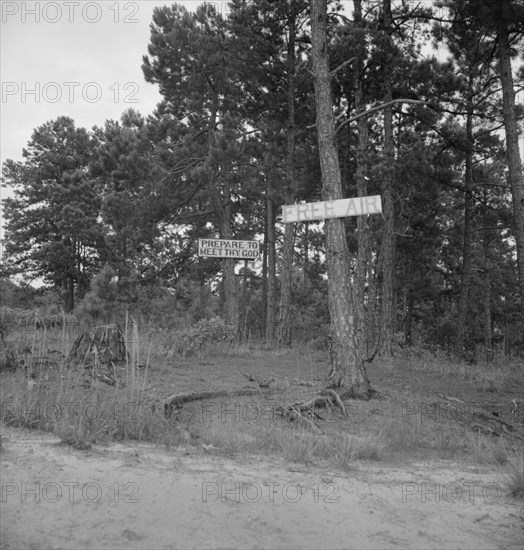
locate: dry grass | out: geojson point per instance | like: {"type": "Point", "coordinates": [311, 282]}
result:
{"type": "Point", "coordinates": [65, 399]}
{"type": "Point", "coordinates": [514, 478]}
{"type": "Point", "coordinates": [497, 375]}
{"type": "Point", "coordinates": [47, 393]}
{"type": "Point", "coordinates": [297, 445]}
{"type": "Point", "coordinates": [448, 440]}
{"type": "Point", "coordinates": [407, 434]}
{"type": "Point", "coordinates": [485, 451]}
{"type": "Point", "coordinates": [343, 450]}
{"type": "Point", "coordinates": [228, 437]}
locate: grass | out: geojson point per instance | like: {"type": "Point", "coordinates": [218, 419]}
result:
{"type": "Point", "coordinates": [343, 450]}
{"type": "Point", "coordinates": [514, 478]}
{"type": "Point", "coordinates": [407, 434]}
{"type": "Point", "coordinates": [50, 394]}
{"type": "Point", "coordinates": [447, 440]}
{"type": "Point", "coordinates": [54, 397]}
{"type": "Point", "coordinates": [229, 437]}
{"type": "Point", "coordinates": [485, 451]}
{"type": "Point", "coordinates": [497, 375]}
{"type": "Point", "coordinates": [297, 445]}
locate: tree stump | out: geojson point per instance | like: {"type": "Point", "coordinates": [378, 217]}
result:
{"type": "Point", "coordinates": [99, 349]}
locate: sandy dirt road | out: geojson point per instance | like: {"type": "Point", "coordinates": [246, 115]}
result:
{"type": "Point", "coordinates": [139, 496]}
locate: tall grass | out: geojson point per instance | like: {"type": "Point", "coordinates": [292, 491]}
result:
{"type": "Point", "coordinates": [67, 399]}
{"type": "Point", "coordinates": [514, 478]}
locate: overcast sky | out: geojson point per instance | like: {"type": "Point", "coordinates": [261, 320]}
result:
{"type": "Point", "coordinates": [77, 58]}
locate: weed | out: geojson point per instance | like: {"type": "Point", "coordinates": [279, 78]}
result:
{"type": "Point", "coordinates": [514, 479]}
{"type": "Point", "coordinates": [406, 434]}
{"type": "Point", "coordinates": [228, 436]}
{"type": "Point", "coordinates": [446, 440]}
{"type": "Point", "coordinates": [342, 450]}
{"type": "Point", "coordinates": [297, 446]}
{"type": "Point", "coordinates": [485, 451]}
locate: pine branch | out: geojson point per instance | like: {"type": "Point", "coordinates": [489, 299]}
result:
{"type": "Point", "coordinates": [379, 108]}
{"type": "Point", "coordinates": [341, 66]}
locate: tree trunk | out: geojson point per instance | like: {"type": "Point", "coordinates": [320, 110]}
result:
{"type": "Point", "coordinates": [388, 237]}
{"type": "Point", "coordinates": [408, 327]}
{"type": "Point", "coordinates": [264, 264]}
{"type": "Point", "coordinates": [222, 208]}
{"type": "Point", "coordinates": [372, 306]}
{"type": "Point", "coordinates": [271, 268]}
{"type": "Point", "coordinates": [465, 275]}
{"type": "Point", "coordinates": [363, 238]}
{"type": "Point", "coordinates": [347, 367]}
{"type": "Point", "coordinates": [283, 337]}
{"type": "Point", "coordinates": [231, 306]}
{"type": "Point", "coordinates": [487, 318]}
{"type": "Point", "coordinates": [512, 147]}
{"type": "Point", "coordinates": [306, 257]}
{"type": "Point", "coordinates": [70, 293]}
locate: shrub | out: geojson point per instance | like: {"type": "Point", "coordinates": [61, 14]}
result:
{"type": "Point", "coordinates": [207, 331]}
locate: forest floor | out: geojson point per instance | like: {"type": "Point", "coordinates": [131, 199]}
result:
{"type": "Point", "coordinates": [424, 464]}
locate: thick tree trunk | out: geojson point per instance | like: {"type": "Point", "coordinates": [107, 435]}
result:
{"type": "Point", "coordinates": [388, 237]}
{"type": "Point", "coordinates": [363, 238]}
{"type": "Point", "coordinates": [347, 368]}
{"type": "Point", "coordinates": [512, 147]}
{"type": "Point", "coordinates": [221, 203]}
{"type": "Point", "coordinates": [283, 337]}
{"type": "Point", "coordinates": [231, 305]}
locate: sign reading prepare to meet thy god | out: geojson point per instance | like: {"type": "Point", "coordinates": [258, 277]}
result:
{"type": "Point", "coordinates": [224, 248]}
{"type": "Point", "coordinates": [341, 208]}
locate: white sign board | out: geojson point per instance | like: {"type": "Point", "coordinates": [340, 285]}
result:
{"type": "Point", "coordinates": [223, 248]}
{"type": "Point", "coordinates": [341, 208]}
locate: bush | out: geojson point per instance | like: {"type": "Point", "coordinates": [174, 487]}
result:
{"type": "Point", "coordinates": [207, 331]}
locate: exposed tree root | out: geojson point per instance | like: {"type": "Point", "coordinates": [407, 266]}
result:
{"type": "Point", "coordinates": [171, 403]}
{"type": "Point", "coordinates": [304, 412]}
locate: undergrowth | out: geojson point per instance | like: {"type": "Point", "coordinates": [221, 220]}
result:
{"type": "Point", "coordinates": [47, 392]}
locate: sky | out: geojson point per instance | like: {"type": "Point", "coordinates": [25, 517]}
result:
{"type": "Point", "coordinates": [77, 58]}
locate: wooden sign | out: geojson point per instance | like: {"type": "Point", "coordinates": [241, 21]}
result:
{"type": "Point", "coordinates": [223, 248]}
{"type": "Point", "coordinates": [357, 206]}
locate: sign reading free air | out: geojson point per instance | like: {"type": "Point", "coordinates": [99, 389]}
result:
{"type": "Point", "coordinates": [223, 248]}
{"type": "Point", "coordinates": [341, 208]}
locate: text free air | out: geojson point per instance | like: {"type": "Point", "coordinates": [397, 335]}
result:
{"type": "Point", "coordinates": [342, 208]}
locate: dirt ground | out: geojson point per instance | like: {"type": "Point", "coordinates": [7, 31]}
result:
{"type": "Point", "coordinates": [136, 495]}
{"type": "Point", "coordinates": [140, 497]}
